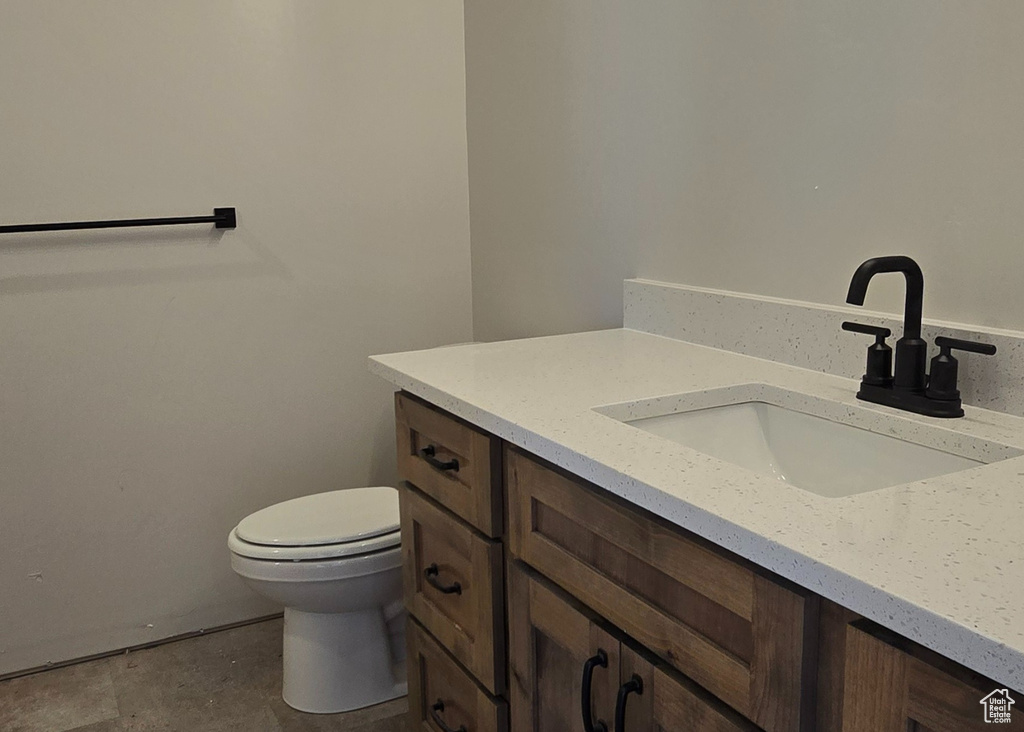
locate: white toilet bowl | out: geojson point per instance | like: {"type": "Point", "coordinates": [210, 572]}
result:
{"type": "Point", "coordinates": [334, 561]}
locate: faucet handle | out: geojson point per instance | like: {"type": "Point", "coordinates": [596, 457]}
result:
{"type": "Point", "coordinates": [879, 370]}
{"type": "Point", "coordinates": [946, 344]}
{"type": "Point", "coordinates": [944, 372]}
{"type": "Point", "coordinates": [877, 331]}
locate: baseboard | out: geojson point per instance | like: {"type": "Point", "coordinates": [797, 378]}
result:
{"type": "Point", "coordinates": [140, 647]}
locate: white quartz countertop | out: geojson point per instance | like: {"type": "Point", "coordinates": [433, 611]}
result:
{"type": "Point", "coordinates": [939, 561]}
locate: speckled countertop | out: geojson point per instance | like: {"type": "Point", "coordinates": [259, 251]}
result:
{"type": "Point", "coordinates": [940, 561]}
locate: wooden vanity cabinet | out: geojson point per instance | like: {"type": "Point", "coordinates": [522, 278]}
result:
{"type": "Point", "coordinates": [505, 618]}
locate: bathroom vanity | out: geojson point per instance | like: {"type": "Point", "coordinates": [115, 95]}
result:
{"type": "Point", "coordinates": [569, 565]}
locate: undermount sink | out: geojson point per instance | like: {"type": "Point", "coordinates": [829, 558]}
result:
{"type": "Point", "coordinates": [750, 427]}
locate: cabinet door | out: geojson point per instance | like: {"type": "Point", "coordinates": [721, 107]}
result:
{"type": "Point", "coordinates": [654, 698]}
{"type": "Point", "coordinates": [551, 642]}
{"type": "Point", "coordinates": [745, 637]}
{"type": "Point", "coordinates": [894, 686]}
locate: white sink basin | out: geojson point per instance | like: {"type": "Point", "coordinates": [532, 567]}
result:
{"type": "Point", "coordinates": [811, 452]}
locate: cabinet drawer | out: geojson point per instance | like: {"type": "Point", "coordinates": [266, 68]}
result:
{"type": "Point", "coordinates": [444, 697]}
{"type": "Point", "coordinates": [742, 636]}
{"type": "Point", "coordinates": [454, 586]}
{"type": "Point", "coordinates": [452, 462]}
{"type": "Point", "coordinates": [892, 685]}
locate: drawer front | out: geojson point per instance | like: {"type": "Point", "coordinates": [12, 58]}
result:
{"type": "Point", "coordinates": [891, 685]}
{"type": "Point", "coordinates": [452, 462]}
{"type": "Point", "coordinates": [740, 635]}
{"type": "Point", "coordinates": [442, 696]}
{"type": "Point", "coordinates": [454, 586]}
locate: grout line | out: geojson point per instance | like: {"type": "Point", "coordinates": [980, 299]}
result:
{"type": "Point", "coordinates": [140, 647]}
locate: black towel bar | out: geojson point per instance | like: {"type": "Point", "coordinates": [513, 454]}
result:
{"type": "Point", "coordinates": [223, 218]}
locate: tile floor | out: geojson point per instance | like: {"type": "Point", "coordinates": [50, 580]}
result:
{"type": "Point", "coordinates": [222, 682]}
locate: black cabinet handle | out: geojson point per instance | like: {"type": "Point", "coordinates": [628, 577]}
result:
{"type": "Point", "coordinates": [435, 715]}
{"type": "Point", "coordinates": [428, 454]}
{"type": "Point", "coordinates": [600, 659]}
{"type": "Point", "coordinates": [431, 573]}
{"type": "Point", "coordinates": [634, 686]}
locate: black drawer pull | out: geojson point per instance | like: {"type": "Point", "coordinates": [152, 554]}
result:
{"type": "Point", "coordinates": [428, 454]}
{"type": "Point", "coordinates": [435, 715]}
{"type": "Point", "coordinates": [634, 686]}
{"type": "Point", "coordinates": [431, 573]}
{"type": "Point", "coordinates": [600, 659]}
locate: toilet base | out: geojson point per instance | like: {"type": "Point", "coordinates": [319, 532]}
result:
{"type": "Point", "coordinates": [338, 662]}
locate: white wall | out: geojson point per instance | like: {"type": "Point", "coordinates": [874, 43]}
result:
{"type": "Point", "coordinates": [156, 386]}
{"type": "Point", "coordinates": [764, 147]}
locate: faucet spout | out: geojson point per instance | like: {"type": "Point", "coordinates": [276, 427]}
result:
{"type": "Point", "coordinates": [915, 288]}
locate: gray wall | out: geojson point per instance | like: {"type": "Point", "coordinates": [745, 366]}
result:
{"type": "Point", "coordinates": [763, 147]}
{"type": "Point", "coordinates": [157, 386]}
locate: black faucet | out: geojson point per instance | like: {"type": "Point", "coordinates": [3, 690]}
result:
{"type": "Point", "coordinates": [911, 389]}
{"type": "Point", "coordinates": [911, 349]}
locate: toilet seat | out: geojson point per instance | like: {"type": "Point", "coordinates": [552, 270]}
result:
{"type": "Point", "coordinates": [318, 551]}
{"type": "Point", "coordinates": [334, 517]}
{"type": "Point", "coordinates": [331, 525]}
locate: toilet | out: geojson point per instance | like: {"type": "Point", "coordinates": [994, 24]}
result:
{"type": "Point", "coordinates": [334, 561]}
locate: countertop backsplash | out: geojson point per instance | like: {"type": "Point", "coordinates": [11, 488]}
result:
{"type": "Point", "coordinates": [808, 335]}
